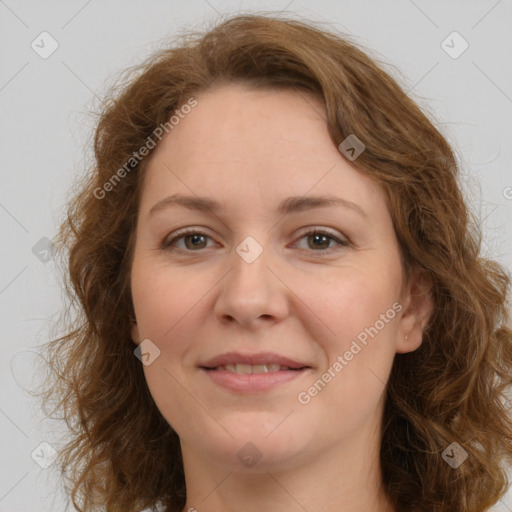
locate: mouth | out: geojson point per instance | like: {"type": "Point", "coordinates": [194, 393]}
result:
{"type": "Point", "coordinates": [249, 369]}
{"type": "Point", "coordinates": [252, 373]}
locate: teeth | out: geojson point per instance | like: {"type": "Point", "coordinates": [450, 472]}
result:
{"type": "Point", "coordinates": [243, 368]}
{"type": "Point", "coordinates": [259, 368]}
{"type": "Point", "coordinates": [246, 369]}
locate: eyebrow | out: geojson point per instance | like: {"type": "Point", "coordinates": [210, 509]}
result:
{"type": "Point", "coordinates": [288, 205]}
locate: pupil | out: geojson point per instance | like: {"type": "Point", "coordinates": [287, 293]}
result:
{"type": "Point", "coordinates": [195, 238]}
{"type": "Point", "coordinates": [319, 238]}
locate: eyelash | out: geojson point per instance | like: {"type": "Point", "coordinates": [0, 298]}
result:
{"type": "Point", "coordinates": [166, 245]}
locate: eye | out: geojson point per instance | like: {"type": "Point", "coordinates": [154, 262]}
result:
{"type": "Point", "coordinates": [319, 240]}
{"type": "Point", "coordinates": [192, 238]}
{"type": "Point", "coordinates": [195, 240]}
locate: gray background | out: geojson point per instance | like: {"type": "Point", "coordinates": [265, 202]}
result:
{"type": "Point", "coordinates": [45, 133]}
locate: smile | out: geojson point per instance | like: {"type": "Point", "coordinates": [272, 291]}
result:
{"type": "Point", "coordinates": [249, 379]}
{"type": "Point", "coordinates": [252, 373]}
{"type": "Point", "coordinates": [247, 369]}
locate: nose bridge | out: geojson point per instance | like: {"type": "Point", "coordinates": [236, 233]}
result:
{"type": "Point", "coordinates": [250, 290]}
{"type": "Point", "coordinates": [250, 260]}
{"type": "Point", "coordinates": [250, 250]}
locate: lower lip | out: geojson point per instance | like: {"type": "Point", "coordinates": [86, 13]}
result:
{"type": "Point", "coordinates": [253, 382]}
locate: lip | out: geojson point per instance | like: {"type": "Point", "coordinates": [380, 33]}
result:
{"type": "Point", "coordinates": [255, 382]}
{"type": "Point", "coordinates": [253, 359]}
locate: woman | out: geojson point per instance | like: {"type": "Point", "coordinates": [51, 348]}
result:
{"type": "Point", "coordinates": [281, 300]}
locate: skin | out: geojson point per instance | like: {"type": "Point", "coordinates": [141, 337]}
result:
{"type": "Point", "coordinates": [249, 149]}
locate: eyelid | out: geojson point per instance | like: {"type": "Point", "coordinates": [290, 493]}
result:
{"type": "Point", "coordinates": [181, 233]}
{"type": "Point", "coordinates": [342, 240]}
{"type": "Point", "coordinates": [324, 230]}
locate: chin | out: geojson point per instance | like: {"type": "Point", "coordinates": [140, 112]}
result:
{"type": "Point", "coordinates": [257, 444]}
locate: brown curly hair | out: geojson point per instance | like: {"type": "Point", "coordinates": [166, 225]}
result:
{"type": "Point", "coordinates": [123, 455]}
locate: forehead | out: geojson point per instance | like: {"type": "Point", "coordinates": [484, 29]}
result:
{"type": "Point", "coordinates": [255, 142]}
{"type": "Point", "coordinates": [231, 120]}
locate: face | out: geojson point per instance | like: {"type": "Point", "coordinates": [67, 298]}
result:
{"type": "Point", "coordinates": [276, 319]}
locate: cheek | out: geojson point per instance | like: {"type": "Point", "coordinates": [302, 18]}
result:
{"type": "Point", "coordinates": [165, 304]}
{"type": "Point", "coordinates": [361, 311]}
{"type": "Point", "coordinates": [162, 298]}
{"type": "Point", "coordinates": [355, 298]}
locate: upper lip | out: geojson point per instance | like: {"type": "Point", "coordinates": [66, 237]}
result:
{"type": "Point", "coordinates": [252, 359]}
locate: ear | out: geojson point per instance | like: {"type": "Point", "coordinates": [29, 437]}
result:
{"type": "Point", "coordinates": [418, 306]}
{"type": "Point", "coordinates": [135, 332]}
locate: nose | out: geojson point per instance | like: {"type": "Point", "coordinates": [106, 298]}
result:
{"type": "Point", "coordinates": [252, 293]}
